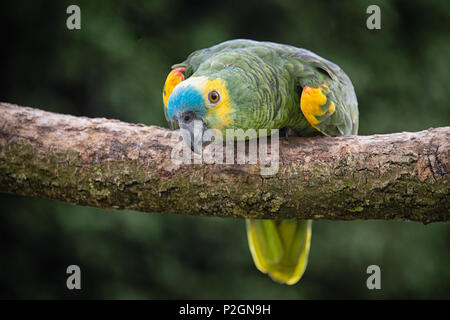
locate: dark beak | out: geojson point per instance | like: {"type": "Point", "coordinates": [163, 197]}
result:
{"type": "Point", "coordinates": [192, 130]}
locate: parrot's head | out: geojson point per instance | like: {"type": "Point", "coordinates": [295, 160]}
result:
{"type": "Point", "coordinates": [203, 101]}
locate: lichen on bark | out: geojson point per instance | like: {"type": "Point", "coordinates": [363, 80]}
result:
{"type": "Point", "coordinates": [110, 164]}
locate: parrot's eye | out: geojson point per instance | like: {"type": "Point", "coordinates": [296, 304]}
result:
{"type": "Point", "coordinates": [213, 96]}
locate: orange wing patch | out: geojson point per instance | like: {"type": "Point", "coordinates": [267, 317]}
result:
{"type": "Point", "coordinates": [173, 79]}
{"type": "Point", "coordinates": [314, 103]}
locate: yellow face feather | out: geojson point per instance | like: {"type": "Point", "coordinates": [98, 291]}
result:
{"type": "Point", "coordinates": [312, 102]}
{"type": "Point", "coordinates": [173, 79]}
{"type": "Point", "coordinates": [222, 112]}
{"type": "Point", "coordinates": [219, 115]}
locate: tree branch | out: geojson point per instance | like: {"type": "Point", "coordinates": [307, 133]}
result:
{"type": "Point", "coordinates": [111, 164]}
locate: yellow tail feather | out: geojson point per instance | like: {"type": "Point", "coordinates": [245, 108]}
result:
{"type": "Point", "coordinates": [280, 248]}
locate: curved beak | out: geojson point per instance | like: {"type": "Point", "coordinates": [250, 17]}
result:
{"type": "Point", "coordinates": [192, 130]}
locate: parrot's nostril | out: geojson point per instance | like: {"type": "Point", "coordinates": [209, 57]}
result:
{"type": "Point", "coordinates": [187, 117]}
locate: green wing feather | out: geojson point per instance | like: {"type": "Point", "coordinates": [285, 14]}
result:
{"type": "Point", "coordinates": [344, 119]}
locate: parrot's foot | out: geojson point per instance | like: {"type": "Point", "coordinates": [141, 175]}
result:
{"type": "Point", "coordinates": [287, 132]}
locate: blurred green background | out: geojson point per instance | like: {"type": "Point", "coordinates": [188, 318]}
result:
{"type": "Point", "coordinates": [115, 67]}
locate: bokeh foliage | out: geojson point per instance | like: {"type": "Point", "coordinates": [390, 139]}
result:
{"type": "Point", "coordinates": [115, 66]}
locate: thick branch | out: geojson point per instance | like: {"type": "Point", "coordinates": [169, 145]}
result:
{"type": "Point", "coordinates": [111, 164]}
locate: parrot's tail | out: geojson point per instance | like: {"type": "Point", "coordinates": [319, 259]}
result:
{"type": "Point", "coordinates": [280, 248]}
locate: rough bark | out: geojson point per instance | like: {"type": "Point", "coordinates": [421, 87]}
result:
{"type": "Point", "coordinates": [111, 164]}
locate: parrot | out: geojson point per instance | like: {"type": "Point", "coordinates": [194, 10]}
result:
{"type": "Point", "coordinates": [243, 84]}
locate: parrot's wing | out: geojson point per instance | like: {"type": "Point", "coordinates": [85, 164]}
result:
{"type": "Point", "coordinates": [328, 100]}
{"type": "Point", "coordinates": [280, 248]}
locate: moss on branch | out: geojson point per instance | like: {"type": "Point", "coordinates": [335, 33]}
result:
{"type": "Point", "coordinates": [111, 164]}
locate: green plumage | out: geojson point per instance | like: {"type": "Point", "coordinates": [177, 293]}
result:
{"type": "Point", "coordinates": [272, 86]}
{"type": "Point", "coordinates": [265, 81]}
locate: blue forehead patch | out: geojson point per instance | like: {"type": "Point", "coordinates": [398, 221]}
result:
{"type": "Point", "coordinates": [185, 98]}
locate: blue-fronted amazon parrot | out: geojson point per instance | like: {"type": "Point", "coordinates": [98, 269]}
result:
{"type": "Point", "coordinates": [263, 85]}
